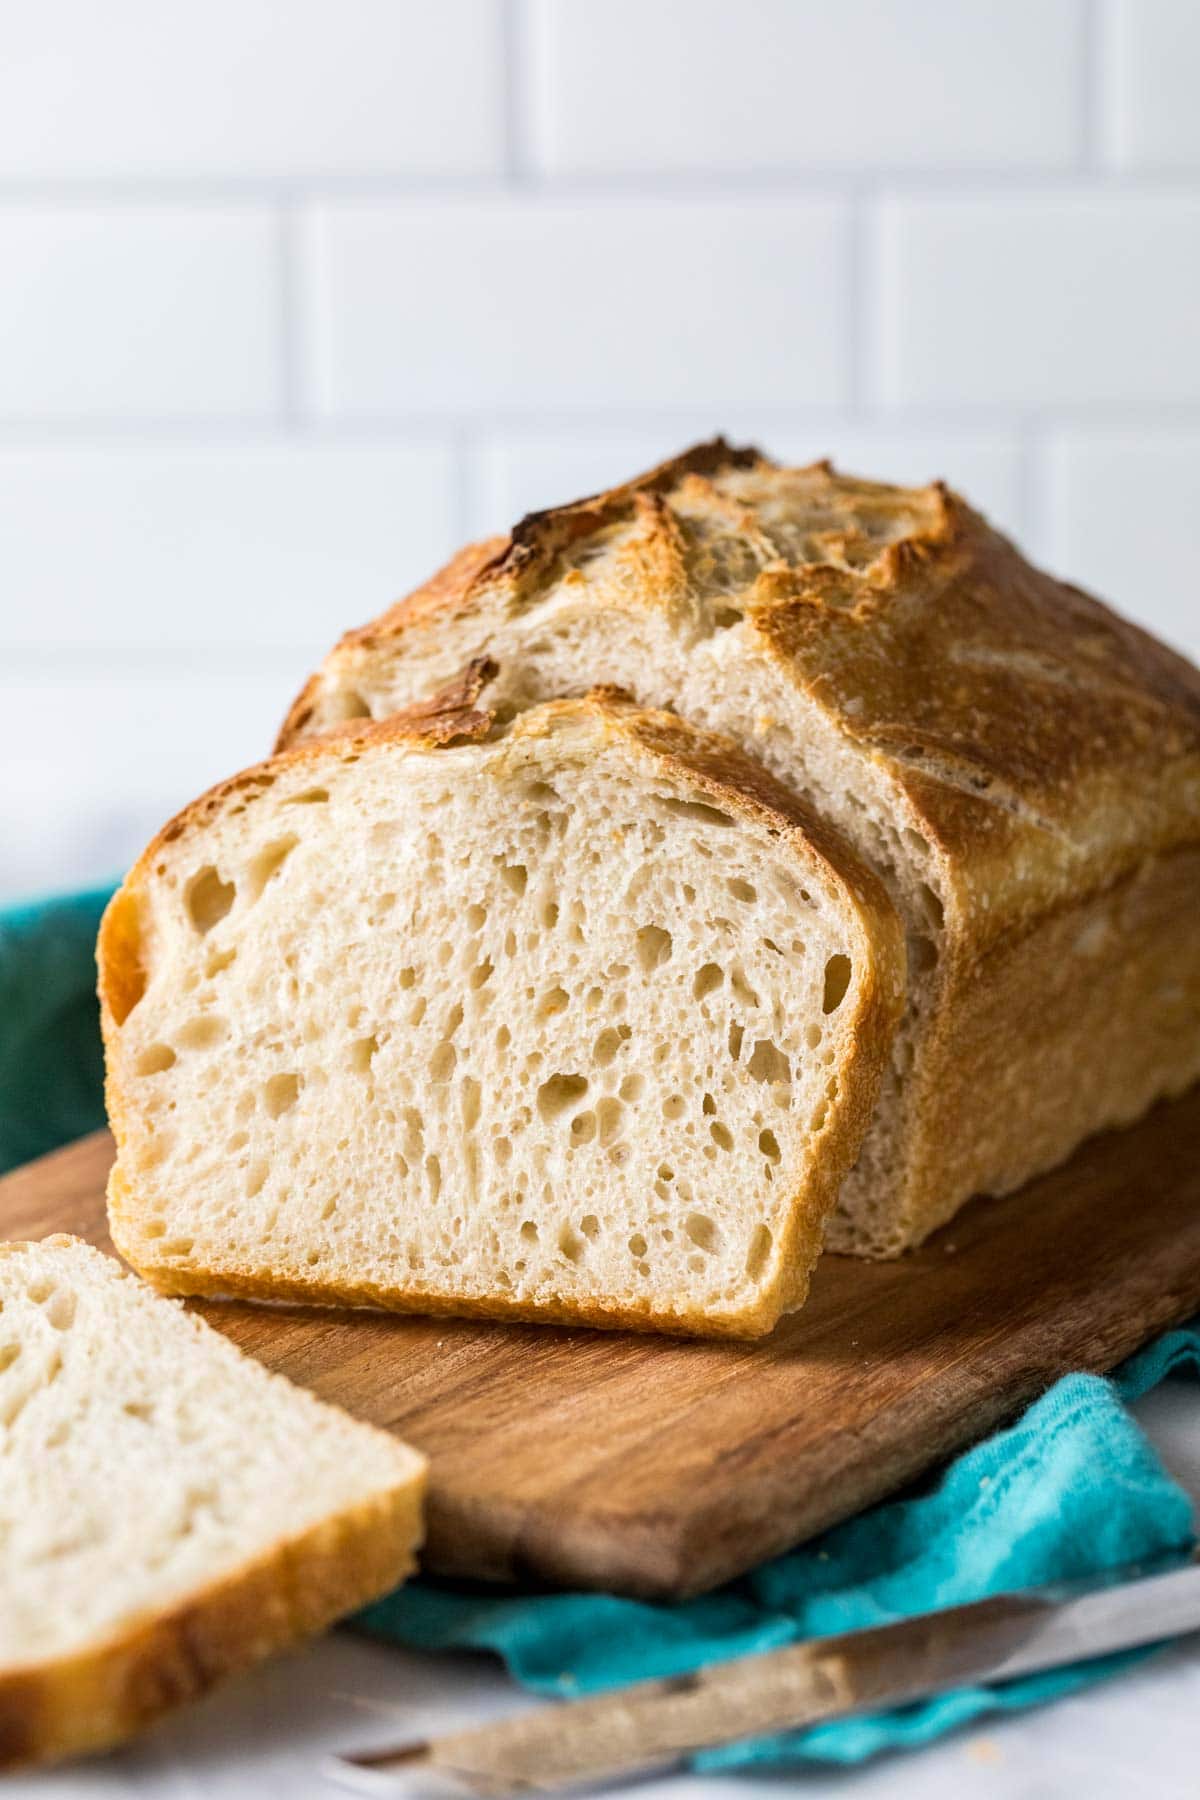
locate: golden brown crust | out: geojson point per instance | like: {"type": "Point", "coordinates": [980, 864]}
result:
{"type": "Point", "coordinates": [1040, 743]}
{"type": "Point", "coordinates": [1076, 1026]}
{"type": "Point", "coordinates": [730, 781]}
{"type": "Point", "coordinates": [443, 589]}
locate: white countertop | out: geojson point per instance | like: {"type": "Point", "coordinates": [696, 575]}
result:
{"type": "Point", "coordinates": [264, 1735]}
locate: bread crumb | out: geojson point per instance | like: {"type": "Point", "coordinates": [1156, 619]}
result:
{"type": "Point", "coordinates": [985, 1750]}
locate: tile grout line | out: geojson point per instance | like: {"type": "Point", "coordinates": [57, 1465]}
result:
{"type": "Point", "coordinates": [514, 95]}
{"type": "Point", "coordinates": [1093, 71]}
{"type": "Point", "coordinates": [290, 368]}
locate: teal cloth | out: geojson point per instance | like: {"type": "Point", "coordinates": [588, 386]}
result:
{"type": "Point", "coordinates": [51, 1069]}
{"type": "Point", "coordinates": [1073, 1487]}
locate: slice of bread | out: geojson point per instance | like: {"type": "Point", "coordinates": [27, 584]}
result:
{"type": "Point", "coordinates": [581, 1020]}
{"type": "Point", "coordinates": [1019, 765]}
{"type": "Point", "coordinates": [169, 1511]}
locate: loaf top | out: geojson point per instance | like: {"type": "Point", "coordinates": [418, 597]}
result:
{"type": "Point", "coordinates": [1041, 741]}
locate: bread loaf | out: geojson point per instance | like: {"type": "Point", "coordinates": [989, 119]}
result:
{"type": "Point", "coordinates": [1020, 766]}
{"type": "Point", "coordinates": [169, 1511]}
{"type": "Point", "coordinates": [581, 1018]}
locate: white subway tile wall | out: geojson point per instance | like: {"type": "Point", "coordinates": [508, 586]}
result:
{"type": "Point", "coordinates": [296, 298]}
{"type": "Point", "coordinates": [802, 84]}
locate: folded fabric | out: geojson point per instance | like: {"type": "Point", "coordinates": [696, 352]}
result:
{"type": "Point", "coordinates": [1073, 1487]}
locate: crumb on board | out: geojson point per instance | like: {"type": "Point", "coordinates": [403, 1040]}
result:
{"type": "Point", "coordinates": [985, 1750]}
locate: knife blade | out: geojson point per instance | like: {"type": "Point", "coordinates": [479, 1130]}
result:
{"type": "Point", "coordinates": [654, 1726]}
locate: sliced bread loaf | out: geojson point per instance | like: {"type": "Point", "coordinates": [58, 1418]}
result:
{"type": "Point", "coordinates": [582, 1020]}
{"type": "Point", "coordinates": [1019, 765]}
{"type": "Point", "coordinates": [169, 1511]}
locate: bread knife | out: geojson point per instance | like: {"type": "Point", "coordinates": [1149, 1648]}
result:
{"type": "Point", "coordinates": [656, 1726]}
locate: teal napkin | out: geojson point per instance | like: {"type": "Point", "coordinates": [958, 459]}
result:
{"type": "Point", "coordinates": [51, 1068]}
{"type": "Point", "coordinates": [1073, 1487]}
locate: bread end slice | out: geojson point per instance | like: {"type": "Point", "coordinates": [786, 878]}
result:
{"type": "Point", "coordinates": [170, 1512]}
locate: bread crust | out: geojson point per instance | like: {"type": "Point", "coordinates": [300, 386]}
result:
{"type": "Point", "coordinates": [1041, 750]}
{"type": "Point", "coordinates": [95, 1698]}
{"type": "Point", "coordinates": [732, 781]}
{"type": "Point", "coordinates": [1042, 743]}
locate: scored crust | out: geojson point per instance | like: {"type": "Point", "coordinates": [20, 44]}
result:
{"type": "Point", "coordinates": [1042, 742]}
{"type": "Point", "coordinates": [713, 767]}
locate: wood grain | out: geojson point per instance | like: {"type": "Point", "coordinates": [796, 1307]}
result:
{"type": "Point", "coordinates": [654, 1467]}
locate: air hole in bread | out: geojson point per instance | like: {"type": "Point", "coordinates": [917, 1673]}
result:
{"type": "Point", "coordinates": [654, 946]}
{"type": "Point", "coordinates": [674, 1107]}
{"type": "Point", "coordinates": [736, 1035]}
{"type": "Point", "coordinates": [637, 1244]}
{"type": "Point", "coordinates": [571, 1246]}
{"type": "Point", "coordinates": [280, 1094]}
{"type": "Point", "coordinates": [632, 1087]}
{"type": "Point", "coordinates": [345, 703]}
{"type": "Point", "coordinates": [934, 910]}
{"type": "Point", "coordinates": [266, 865]}
{"type": "Point", "coordinates": [154, 1059]}
{"type": "Point", "coordinates": [256, 1176]}
{"type": "Point", "coordinates": [443, 1062]}
{"type": "Point", "coordinates": [201, 1033]}
{"type": "Point", "coordinates": [471, 1099]}
{"type": "Point", "coordinates": [922, 954]}
{"type": "Point", "coordinates": [701, 1230]}
{"type": "Point", "coordinates": [476, 916]}
{"type": "Point", "coordinates": [768, 1063]}
{"type": "Point", "coordinates": [560, 1092]}
{"type": "Point", "coordinates": [609, 1115]}
{"type": "Point", "coordinates": [362, 1053]}
{"type": "Point", "coordinates": [310, 797]}
{"type": "Point", "coordinates": [583, 1128]}
{"type": "Point", "coordinates": [481, 974]}
{"type": "Point", "coordinates": [218, 960]}
{"type": "Point", "coordinates": [837, 981]}
{"type": "Point", "coordinates": [606, 1046]}
{"type": "Point", "coordinates": [208, 898]}
{"type": "Point", "coordinates": [768, 1143]}
{"type": "Point", "coordinates": [555, 1000]}
{"type": "Point", "coordinates": [759, 1250]}
{"type": "Point", "coordinates": [742, 990]}
{"type": "Point", "coordinates": [721, 1135]}
{"type": "Point", "coordinates": [743, 890]}
{"type": "Point", "coordinates": [707, 979]}
{"type": "Point", "coordinates": [700, 810]}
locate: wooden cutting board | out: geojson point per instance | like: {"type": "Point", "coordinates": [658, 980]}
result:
{"type": "Point", "coordinates": [656, 1467]}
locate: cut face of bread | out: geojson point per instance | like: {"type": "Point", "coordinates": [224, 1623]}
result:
{"type": "Point", "coordinates": [169, 1511]}
{"type": "Point", "coordinates": [1013, 760]}
{"type": "Point", "coordinates": [583, 1021]}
